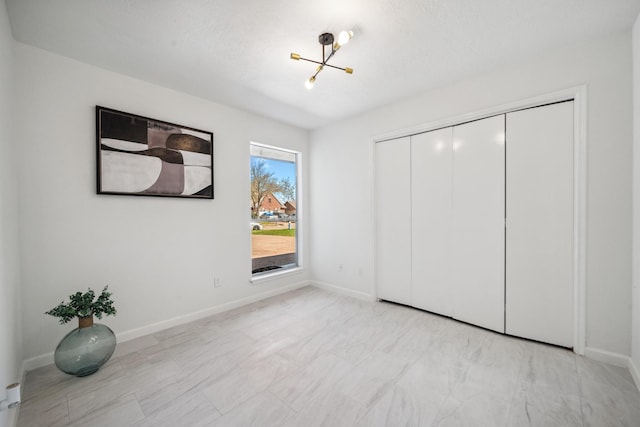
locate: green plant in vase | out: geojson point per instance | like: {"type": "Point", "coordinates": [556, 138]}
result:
{"type": "Point", "coordinates": [83, 305]}
{"type": "Point", "coordinates": [85, 349]}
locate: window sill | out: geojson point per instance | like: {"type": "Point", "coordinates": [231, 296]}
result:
{"type": "Point", "coordinates": [268, 277]}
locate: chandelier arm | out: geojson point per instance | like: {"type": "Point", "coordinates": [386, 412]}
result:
{"type": "Point", "coordinates": [323, 64]}
{"type": "Point", "coordinates": [337, 68]}
{"type": "Point", "coordinates": [311, 60]}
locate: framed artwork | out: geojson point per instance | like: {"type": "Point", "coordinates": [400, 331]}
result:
{"type": "Point", "coordinates": [145, 157]}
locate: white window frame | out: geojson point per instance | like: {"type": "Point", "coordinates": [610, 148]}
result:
{"type": "Point", "coordinates": [274, 274]}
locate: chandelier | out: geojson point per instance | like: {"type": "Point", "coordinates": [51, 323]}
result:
{"type": "Point", "coordinates": [326, 39]}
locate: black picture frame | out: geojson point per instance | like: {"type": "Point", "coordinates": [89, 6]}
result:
{"type": "Point", "coordinates": [140, 156]}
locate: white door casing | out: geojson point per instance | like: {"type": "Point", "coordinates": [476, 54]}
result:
{"type": "Point", "coordinates": [579, 96]}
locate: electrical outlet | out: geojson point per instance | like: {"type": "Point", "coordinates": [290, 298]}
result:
{"type": "Point", "coordinates": [216, 282]}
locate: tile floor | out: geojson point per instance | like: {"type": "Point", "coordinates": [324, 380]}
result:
{"type": "Point", "coordinates": [313, 358]}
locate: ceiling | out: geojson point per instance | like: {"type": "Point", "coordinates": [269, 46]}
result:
{"type": "Point", "coordinates": [236, 52]}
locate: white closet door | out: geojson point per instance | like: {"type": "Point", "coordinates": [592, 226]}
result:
{"type": "Point", "coordinates": [431, 215]}
{"type": "Point", "coordinates": [478, 222]}
{"type": "Point", "coordinates": [539, 267]}
{"type": "Point", "coordinates": [393, 220]}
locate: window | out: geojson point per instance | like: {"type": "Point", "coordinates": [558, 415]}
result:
{"type": "Point", "coordinates": [273, 195]}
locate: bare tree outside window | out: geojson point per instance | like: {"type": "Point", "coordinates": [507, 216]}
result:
{"type": "Point", "coordinates": [264, 182]}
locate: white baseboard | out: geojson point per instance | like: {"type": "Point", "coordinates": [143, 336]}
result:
{"type": "Point", "coordinates": [604, 356]}
{"type": "Point", "coordinates": [635, 372]}
{"type": "Point", "coordinates": [47, 359]}
{"type": "Point", "coordinates": [614, 359]}
{"type": "Point", "coordinates": [343, 291]}
{"type": "Point", "coordinates": [38, 361]}
{"type": "Point", "coordinates": [180, 320]}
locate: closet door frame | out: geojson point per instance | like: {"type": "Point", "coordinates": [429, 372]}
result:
{"type": "Point", "coordinates": [579, 95]}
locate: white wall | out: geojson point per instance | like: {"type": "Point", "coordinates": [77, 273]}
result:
{"type": "Point", "coordinates": [343, 233]}
{"type": "Point", "coordinates": [157, 255]}
{"type": "Point", "coordinates": [10, 326]}
{"type": "Point", "coordinates": [635, 368]}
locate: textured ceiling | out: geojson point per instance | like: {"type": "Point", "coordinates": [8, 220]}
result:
{"type": "Point", "coordinates": [236, 52]}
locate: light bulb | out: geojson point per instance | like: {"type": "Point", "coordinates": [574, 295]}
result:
{"type": "Point", "coordinates": [309, 83]}
{"type": "Point", "coordinates": [344, 37]}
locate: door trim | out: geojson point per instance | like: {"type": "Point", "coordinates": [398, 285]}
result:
{"type": "Point", "coordinates": [579, 96]}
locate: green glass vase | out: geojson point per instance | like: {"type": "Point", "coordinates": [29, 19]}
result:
{"type": "Point", "coordinates": [85, 349]}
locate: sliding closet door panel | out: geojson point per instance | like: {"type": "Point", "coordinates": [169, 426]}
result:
{"type": "Point", "coordinates": [393, 220]}
{"type": "Point", "coordinates": [478, 222]}
{"type": "Point", "coordinates": [539, 268]}
{"type": "Point", "coordinates": [431, 215]}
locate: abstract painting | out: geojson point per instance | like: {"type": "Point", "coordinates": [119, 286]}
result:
{"type": "Point", "coordinates": [147, 157]}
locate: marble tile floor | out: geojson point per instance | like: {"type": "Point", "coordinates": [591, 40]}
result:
{"type": "Point", "coordinates": [314, 358]}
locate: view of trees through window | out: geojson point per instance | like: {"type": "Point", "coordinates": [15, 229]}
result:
{"type": "Point", "coordinates": [273, 209]}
